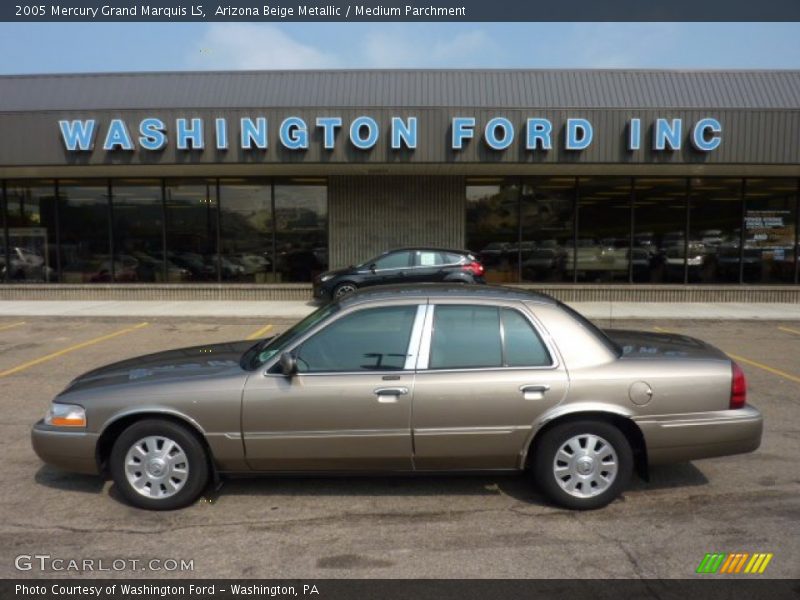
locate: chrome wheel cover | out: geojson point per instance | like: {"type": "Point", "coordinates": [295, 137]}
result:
{"type": "Point", "coordinates": [585, 465]}
{"type": "Point", "coordinates": [156, 467]}
{"type": "Point", "coordinates": [345, 289]}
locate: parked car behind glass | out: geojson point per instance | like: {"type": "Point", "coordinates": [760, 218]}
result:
{"type": "Point", "coordinates": [403, 265]}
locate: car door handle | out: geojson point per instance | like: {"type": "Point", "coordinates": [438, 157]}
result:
{"type": "Point", "coordinates": [533, 392]}
{"type": "Point", "coordinates": [389, 395]}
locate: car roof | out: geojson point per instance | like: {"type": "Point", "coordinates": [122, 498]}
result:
{"type": "Point", "coordinates": [427, 248]}
{"type": "Point", "coordinates": [445, 290]}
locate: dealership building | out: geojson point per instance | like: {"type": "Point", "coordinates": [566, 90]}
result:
{"type": "Point", "coordinates": [252, 183]}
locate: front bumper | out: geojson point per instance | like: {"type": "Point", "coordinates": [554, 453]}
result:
{"type": "Point", "coordinates": [681, 438]}
{"type": "Point", "coordinates": [321, 291]}
{"type": "Point", "coordinates": [68, 450]}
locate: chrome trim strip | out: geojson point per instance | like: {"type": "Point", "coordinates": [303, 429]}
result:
{"type": "Point", "coordinates": [425, 344]}
{"type": "Point", "coordinates": [416, 337]}
{"type": "Point", "coordinates": [472, 430]}
{"type": "Point", "coordinates": [327, 434]}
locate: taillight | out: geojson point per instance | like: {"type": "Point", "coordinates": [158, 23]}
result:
{"type": "Point", "coordinates": [738, 387]}
{"type": "Point", "coordinates": [475, 268]}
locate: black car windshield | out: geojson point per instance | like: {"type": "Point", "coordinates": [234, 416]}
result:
{"type": "Point", "coordinates": [264, 350]}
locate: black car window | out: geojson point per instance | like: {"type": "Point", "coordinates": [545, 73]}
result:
{"type": "Point", "coordinates": [465, 337]}
{"type": "Point", "coordinates": [394, 260]}
{"type": "Point", "coordinates": [427, 258]}
{"type": "Point", "coordinates": [373, 339]}
{"type": "Point", "coordinates": [522, 345]}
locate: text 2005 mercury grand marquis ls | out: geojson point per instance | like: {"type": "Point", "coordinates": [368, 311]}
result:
{"type": "Point", "coordinates": [408, 379]}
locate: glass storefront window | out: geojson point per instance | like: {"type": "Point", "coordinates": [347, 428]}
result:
{"type": "Point", "coordinates": [493, 227]}
{"type": "Point", "coordinates": [301, 231]}
{"type": "Point", "coordinates": [770, 221]}
{"type": "Point", "coordinates": [659, 220]}
{"type": "Point", "coordinates": [85, 249]}
{"type": "Point", "coordinates": [31, 209]}
{"type": "Point", "coordinates": [191, 228]}
{"type": "Point", "coordinates": [604, 217]}
{"type": "Point", "coordinates": [138, 233]}
{"type": "Point", "coordinates": [547, 222]}
{"type": "Point", "coordinates": [247, 227]}
{"type": "Point", "coordinates": [715, 221]}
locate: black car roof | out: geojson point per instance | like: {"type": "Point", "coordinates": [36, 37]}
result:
{"type": "Point", "coordinates": [427, 248]}
{"type": "Point", "coordinates": [445, 290]}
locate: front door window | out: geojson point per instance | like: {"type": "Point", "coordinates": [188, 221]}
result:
{"type": "Point", "coordinates": [373, 339]}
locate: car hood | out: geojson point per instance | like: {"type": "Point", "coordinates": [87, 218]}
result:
{"type": "Point", "coordinates": [647, 344]}
{"type": "Point", "coordinates": [181, 364]}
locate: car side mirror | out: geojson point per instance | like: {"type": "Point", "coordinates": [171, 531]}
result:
{"type": "Point", "coordinates": [288, 364]}
{"type": "Point", "coordinates": [372, 267]}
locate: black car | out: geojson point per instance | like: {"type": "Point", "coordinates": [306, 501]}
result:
{"type": "Point", "coordinates": [403, 265]}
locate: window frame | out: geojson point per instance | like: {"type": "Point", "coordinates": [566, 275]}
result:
{"type": "Point", "coordinates": [423, 361]}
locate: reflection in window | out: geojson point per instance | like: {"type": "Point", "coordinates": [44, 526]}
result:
{"type": "Point", "coordinates": [138, 233]}
{"type": "Point", "coordinates": [31, 232]}
{"type": "Point", "coordinates": [659, 230]}
{"type": "Point", "coordinates": [713, 249]}
{"type": "Point", "coordinates": [301, 231]}
{"type": "Point", "coordinates": [192, 228]}
{"type": "Point", "coordinates": [770, 222]}
{"type": "Point", "coordinates": [547, 214]}
{"type": "Point", "coordinates": [85, 250]}
{"type": "Point", "coordinates": [246, 213]}
{"type": "Point", "coordinates": [603, 230]}
{"type": "Point", "coordinates": [493, 227]}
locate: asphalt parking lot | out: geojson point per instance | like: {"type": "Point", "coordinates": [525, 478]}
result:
{"type": "Point", "coordinates": [395, 527]}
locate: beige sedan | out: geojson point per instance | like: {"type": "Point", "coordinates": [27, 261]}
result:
{"type": "Point", "coordinates": [408, 379]}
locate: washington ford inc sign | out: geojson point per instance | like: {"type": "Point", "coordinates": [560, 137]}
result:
{"type": "Point", "coordinates": [499, 133]}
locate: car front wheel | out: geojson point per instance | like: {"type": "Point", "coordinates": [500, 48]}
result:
{"type": "Point", "coordinates": [583, 464]}
{"type": "Point", "coordinates": [343, 289]}
{"type": "Point", "coordinates": [159, 465]}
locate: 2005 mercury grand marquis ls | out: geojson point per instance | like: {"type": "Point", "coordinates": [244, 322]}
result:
{"type": "Point", "coordinates": [408, 379]}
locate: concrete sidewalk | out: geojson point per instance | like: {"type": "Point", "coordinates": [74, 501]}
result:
{"type": "Point", "coordinates": [296, 310]}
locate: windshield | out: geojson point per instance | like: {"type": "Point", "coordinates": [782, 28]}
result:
{"type": "Point", "coordinates": [266, 349]}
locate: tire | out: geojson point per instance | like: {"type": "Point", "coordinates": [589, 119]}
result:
{"type": "Point", "coordinates": [160, 484]}
{"type": "Point", "coordinates": [344, 289]}
{"type": "Point", "coordinates": [595, 478]}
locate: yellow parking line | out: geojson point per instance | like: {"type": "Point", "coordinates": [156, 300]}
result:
{"type": "Point", "coordinates": [259, 333]}
{"type": "Point", "coordinates": [91, 342]}
{"type": "Point", "coordinates": [752, 363]}
{"type": "Point", "coordinates": [4, 327]}
{"type": "Point", "coordinates": [790, 330]}
{"type": "Point", "coordinates": [767, 368]}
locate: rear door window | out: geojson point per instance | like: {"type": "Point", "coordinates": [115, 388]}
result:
{"type": "Point", "coordinates": [522, 345]}
{"type": "Point", "coordinates": [480, 337]}
{"type": "Point", "coordinates": [425, 258]}
{"type": "Point", "coordinates": [466, 337]}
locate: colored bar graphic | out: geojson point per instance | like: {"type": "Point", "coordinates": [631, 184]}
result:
{"type": "Point", "coordinates": [711, 562]}
{"type": "Point", "coordinates": [759, 562]}
{"type": "Point", "coordinates": [724, 563]}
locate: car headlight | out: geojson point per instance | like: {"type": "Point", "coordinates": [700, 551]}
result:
{"type": "Point", "coordinates": [65, 415]}
{"type": "Point", "coordinates": [325, 278]}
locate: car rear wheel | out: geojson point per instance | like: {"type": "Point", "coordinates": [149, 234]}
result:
{"type": "Point", "coordinates": [343, 289]}
{"type": "Point", "coordinates": [159, 465]}
{"type": "Point", "coordinates": [583, 464]}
